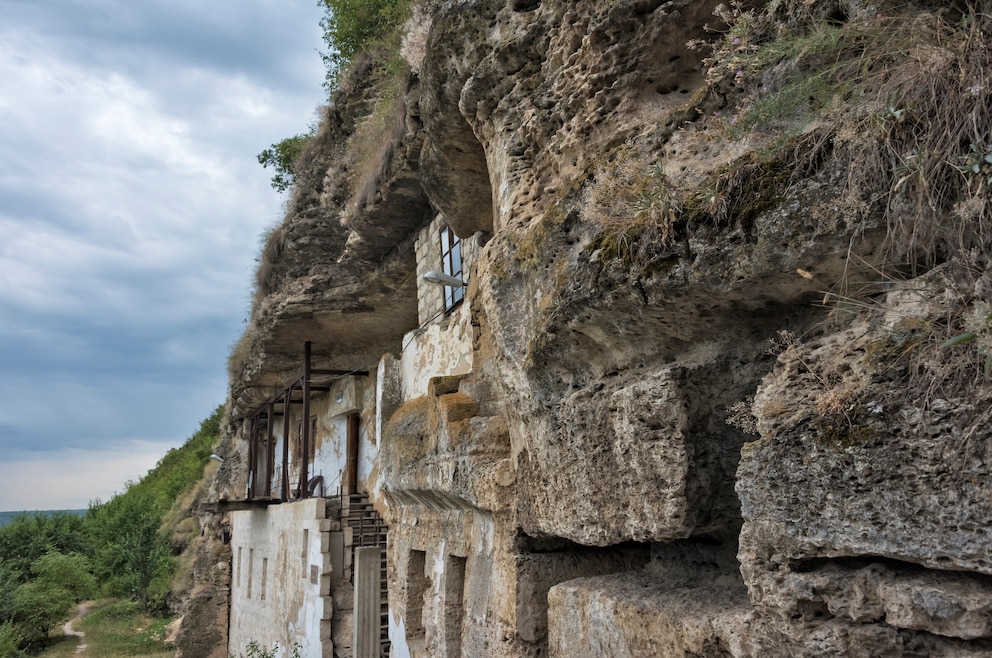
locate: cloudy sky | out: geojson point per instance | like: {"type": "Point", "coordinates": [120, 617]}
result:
{"type": "Point", "coordinates": [131, 206]}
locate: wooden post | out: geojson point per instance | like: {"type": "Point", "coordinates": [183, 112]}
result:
{"type": "Point", "coordinates": [270, 451]}
{"type": "Point", "coordinates": [351, 454]}
{"type": "Point", "coordinates": [285, 445]}
{"type": "Point", "coordinates": [305, 424]}
{"type": "Point", "coordinates": [366, 641]}
{"type": "Point", "coordinates": [252, 476]}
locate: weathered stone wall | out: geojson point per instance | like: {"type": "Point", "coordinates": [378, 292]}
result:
{"type": "Point", "coordinates": [643, 433]}
{"type": "Point", "coordinates": [442, 344]}
{"type": "Point", "coordinates": [617, 364]}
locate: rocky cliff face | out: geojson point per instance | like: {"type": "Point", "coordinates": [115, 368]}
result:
{"type": "Point", "coordinates": [732, 320]}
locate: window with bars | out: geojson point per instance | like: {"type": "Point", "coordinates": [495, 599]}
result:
{"type": "Point", "coordinates": [451, 264]}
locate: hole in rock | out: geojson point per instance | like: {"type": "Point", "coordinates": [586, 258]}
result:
{"type": "Point", "coordinates": [837, 17]}
{"type": "Point", "coordinates": [525, 5]}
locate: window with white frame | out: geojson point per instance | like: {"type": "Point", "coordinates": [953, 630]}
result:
{"type": "Point", "coordinates": [451, 264]}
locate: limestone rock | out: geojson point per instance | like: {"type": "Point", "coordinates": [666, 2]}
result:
{"type": "Point", "coordinates": [864, 499]}
{"type": "Point", "coordinates": [595, 484]}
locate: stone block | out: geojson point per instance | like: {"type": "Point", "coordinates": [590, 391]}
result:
{"type": "Point", "coordinates": [343, 597]}
{"type": "Point", "coordinates": [443, 385]}
{"type": "Point", "coordinates": [631, 615]}
{"type": "Point", "coordinates": [853, 463]}
{"type": "Point", "coordinates": [325, 585]}
{"type": "Point", "coordinates": [640, 460]}
{"type": "Point", "coordinates": [342, 631]}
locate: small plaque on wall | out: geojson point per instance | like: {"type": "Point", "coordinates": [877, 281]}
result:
{"type": "Point", "coordinates": [314, 574]}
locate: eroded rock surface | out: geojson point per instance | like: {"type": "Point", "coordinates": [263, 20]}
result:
{"type": "Point", "coordinates": [667, 234]}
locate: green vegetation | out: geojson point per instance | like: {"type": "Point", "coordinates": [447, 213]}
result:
{"type": "Point", "coordinates": [355, 26]}
{"type": "Point", "coordinates": [7, 517]}
{"type": "Point", "coordinates": [115, 629]}
{"type": "Point", "coordinates": [282, 157]}
{"type": "Point", "coordinates": [50, 562]}
{"type": "Point", "coordinates": [255, 650]}
{"type": "Point", "coordinates": [351, 28]}
{"type": "Point", "coordinates": [131, 556]}
{"type": "Point", "coordinates": [58, 582]}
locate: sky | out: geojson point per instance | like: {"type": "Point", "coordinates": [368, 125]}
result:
{"type": "Point", "coordinates": [131, 208]}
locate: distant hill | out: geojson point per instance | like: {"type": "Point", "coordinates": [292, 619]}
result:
{"type": "Point", "coordinates": [7, 517]}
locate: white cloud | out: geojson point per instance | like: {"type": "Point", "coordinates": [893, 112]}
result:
{"type": "Point", "coordinates": [147, 191]}
{"type": "Point", "coordinates": [72, 478]}
{"type": "Point", "coordinates": [130, 208]}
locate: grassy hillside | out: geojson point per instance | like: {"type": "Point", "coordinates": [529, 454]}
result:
{"type": "Point", "coordinates": [124, 548]}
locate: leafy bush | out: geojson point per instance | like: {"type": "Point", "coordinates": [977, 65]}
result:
{"type": "Point", "coordinates": [28, 537]}
{"type": "Point", "coordinates": [130, 551]}
{"type": "Point", "coordinates": [10, 640]}
{"type": "Point", "coordinates": [351, 26]}
{"type": "Point", "coordinates": [68, 572]}
{"type": "Point", "coordinates": [282, 157]}
{"type": "Point", "coordinates": [39, 606]}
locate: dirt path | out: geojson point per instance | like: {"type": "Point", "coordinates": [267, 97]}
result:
{"type": "Point", "coordinates": [69, 630]}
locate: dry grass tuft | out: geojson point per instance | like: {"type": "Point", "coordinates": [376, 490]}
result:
{"type": "Point", "coordinates": [274, 243]}
{"type": "Point", "coordinates": [907, 101]}
{"type": "Point", "coordinates": [240, 353]}
{"type": "Point", "coordinates": [376, 141]}
{"type": "Point", "coordinates": [637, 208]}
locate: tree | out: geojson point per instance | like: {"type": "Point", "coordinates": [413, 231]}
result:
{"type": "Point", "coordinates": [28, 537]}
{"type": "Point", "coordinates": [40, 605]}
{"type": "Point", "coordinates": [351, 26]}
{"type": "Point", "coordinates": [282, 156]}
{"type": "Point", "coordinates": [129, 548]}
{"type": "Point", "coordinates": [70, 572]}
{"type": "Point", "coordinates": [9, 580]}
{"type": "Point", "coordinates": [59, 582]}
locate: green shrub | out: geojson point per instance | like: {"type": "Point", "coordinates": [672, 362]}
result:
{"type": "Point", "coordinates": [255, 650]}
{"type": "Point", "coordinates": [351, 26]}
{"type": "Point", "coordinates": [41, 605]}
{"type": "Point", "coordinates": [28, 537]}
{"type": "Point", "coordinates": [282, 157]}
{"type": "Point", "coordinates": [10, 640]}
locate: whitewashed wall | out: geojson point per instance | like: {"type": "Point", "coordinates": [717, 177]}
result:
{"type": "Point", "coordinates": [280, 580]}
